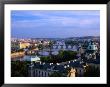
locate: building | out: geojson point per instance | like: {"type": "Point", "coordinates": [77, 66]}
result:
{"type": "Point", "coordinates": [78, 66]}
{"type": "Point", "coordinates": [72, 73]}
{"type": "Point", "coordinates": [15, 45]}
{"type": "Point", "coordinates": [31, 58]}
{"type": "Point", "coordinates": [19, 45]}
{"type": "Point", "coordinates": [46, 69]}
{"type": "Point", "coordinates": [39, 69]}
{"type": "Point", "coordinates": [23, 45]}
{"type": "Point", "coordinates": [91, 51]}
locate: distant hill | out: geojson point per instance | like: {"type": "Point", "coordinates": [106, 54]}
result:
{"type": "Point", "coordinates": [85, 37]}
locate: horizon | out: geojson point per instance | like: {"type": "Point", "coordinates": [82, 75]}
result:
{"type": "Point", "coordinates": [53, 37]}
{"type": "Point", "coordinates": [54, 23]}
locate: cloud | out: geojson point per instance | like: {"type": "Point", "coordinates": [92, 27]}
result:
{"type": "Point", "coordinates": [49, 13]}
{"type": "Point", "coordinates": [55, 21]}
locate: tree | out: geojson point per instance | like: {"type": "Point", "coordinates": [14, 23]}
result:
{"type": "Point", "coordinates": [91, 71]}
{"type": "Point", "coordinates": [32, 47]}
{"type": "Point", "coordinates": [19, 68]}
{"type": "Point", "coordinates": [56, 74]}
{"type": "Point", "coordinates": [67, 55]}
{"type": "Point", "coordinates": [61, 57]}
{"type": "Point", "coordinates": [50, 47]}
{"type": "Point", "coordinates": [70, 42]}
{"type": "Point", "coordinates": [40, 46]}
{"type": "Point", "coordinates": [45, 59]}
{"type": "Point", "coordinates": [21, 50]}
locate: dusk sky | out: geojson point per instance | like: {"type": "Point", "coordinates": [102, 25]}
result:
{"type": "Point", "coordinates": [54, 23]}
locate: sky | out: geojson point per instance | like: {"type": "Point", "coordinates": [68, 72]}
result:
{"type": "Point", "coordinates": [54, 23]}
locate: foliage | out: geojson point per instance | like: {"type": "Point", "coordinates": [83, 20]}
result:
{"type": "Point", "coordinates": [19, 68]}
{"type": "Point", "coordinates": [56, 74]}
{"type": "Point", "coordinates": [67, 55]}
{"type": "Point", "coordinates": [61, 57]}
{"type": "Point", "coordinates": [17, 50]}
{"type": "Point", "coordinates": [45, 59]}
{"type": "Point", "coordinates": [50, 44]}
{"type": "Point", "coordinates": [70, 42]}
{"type": "Point", "coordinates": [91, 71]}
{"type": "Point", "coordinates": [40, 46]}
{"type": "Point", "coordinates": [31, 47]}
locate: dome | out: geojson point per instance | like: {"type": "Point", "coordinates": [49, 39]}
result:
{"type": "Point", "coordinates": [92, 46]}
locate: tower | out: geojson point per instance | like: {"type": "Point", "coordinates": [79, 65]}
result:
{"type": "Point", "coordinates": [72, 72]}
{"type": "Point", "coordinates": [91, 50]}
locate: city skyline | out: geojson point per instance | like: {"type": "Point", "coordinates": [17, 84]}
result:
{"type": "Point", "coordinates": [54, 24]}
